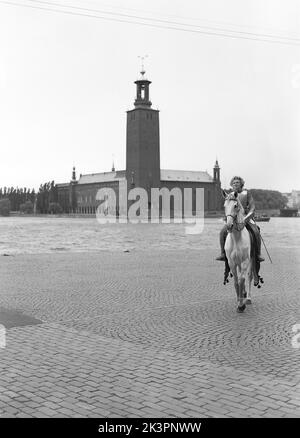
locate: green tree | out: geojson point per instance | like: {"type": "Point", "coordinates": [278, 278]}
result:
{"type": "Point", "coordinates": [54, 208]}
{"type": "Point", "coordinates": [268, 199]}
{"type": "Point", "coordinates": [4, 207]}
{"type": "Point", "coordinates": [26, 207]}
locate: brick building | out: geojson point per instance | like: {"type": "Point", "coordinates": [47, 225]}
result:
{"type": "Point", "coordinates": [142, 165]}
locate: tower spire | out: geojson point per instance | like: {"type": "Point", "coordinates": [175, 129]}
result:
{"type": "Point", "coordinates": [142, 58]}
{"type": "Point", "coordinates": [216, 171]}
{"type": "Point", "coordinates": [73, 174]}
{"type": "Point", "coordinates": [113, 164]}
{"type": "Point", "coordinates": [142, 88]}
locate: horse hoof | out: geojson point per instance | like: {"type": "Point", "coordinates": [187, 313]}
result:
{"type": "Point", "coordinates": [258, 286]}
{"type": "Point", "coordinates": [241, 309]}
{"type": "Point", "coordinates": [248, 301]}
{"type": "Point", "coordinates": [262, 280]}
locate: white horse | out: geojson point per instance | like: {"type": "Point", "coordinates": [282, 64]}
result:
{"type": "Point", "coordinates": [237, 249]}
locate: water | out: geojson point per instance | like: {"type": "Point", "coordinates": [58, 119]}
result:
{"type": "Point", "coordinates": [37, 235]}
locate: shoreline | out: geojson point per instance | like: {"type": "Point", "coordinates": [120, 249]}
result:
{"type": "Point", "coordinates": [207, 215]}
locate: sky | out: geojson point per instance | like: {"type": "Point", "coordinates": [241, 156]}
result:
{"type": "Point", "coordinates": [67, 80]}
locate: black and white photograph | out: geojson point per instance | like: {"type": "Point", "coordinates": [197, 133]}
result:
{"type": "Point", "coordinates": [149, 212]}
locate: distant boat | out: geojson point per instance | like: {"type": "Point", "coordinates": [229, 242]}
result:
{"type": "Point", "coordinates": [262, 218]}
{"type": "Point", "coordinates": [289, 212]}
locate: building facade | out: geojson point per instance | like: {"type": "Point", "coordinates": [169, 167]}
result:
{"type": "Point", "coordinates": [293, 199]}
{"type": "Point", "coordinates": [142, 166]}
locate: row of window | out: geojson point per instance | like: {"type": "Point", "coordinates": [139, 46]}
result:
{"type": "Point", "coordinates": [92, 209]}
{"type": "Point", "coordinates": [89, 199]}
{"type": "Point", "coordinates": [86, 198]}
{"type": "Point", "coordinates": [86, 210]}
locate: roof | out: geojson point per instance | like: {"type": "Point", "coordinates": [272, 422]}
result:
{"type": "Point", "coordinates": [165, 175]}
{"type": "Point", "coordinates": [185, 175]}
{"type": "Point", "coordinates": [102, 177]}
{"type": "Point", "coordinates": [61, 185]}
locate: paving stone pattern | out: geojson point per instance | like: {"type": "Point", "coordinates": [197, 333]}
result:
{"type": "Point", "coordinates": [147, 334]}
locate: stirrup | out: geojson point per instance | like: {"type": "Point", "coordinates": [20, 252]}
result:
{"type": "Point", "coordinates": [221, 258]}
{"type": "Point", "coordinates": [260, 258]}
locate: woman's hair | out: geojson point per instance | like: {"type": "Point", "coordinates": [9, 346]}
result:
{"type": "Point", "coordinates": [239, 178]}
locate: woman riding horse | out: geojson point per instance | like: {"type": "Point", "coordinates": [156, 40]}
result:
{"type": "Point", "coordinates": [246, 199]}
{"type": "Point", "coordinates": [238, 250]}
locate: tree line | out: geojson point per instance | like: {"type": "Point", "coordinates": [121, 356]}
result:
{"type": "Point", "coordinates": [17, 196]}
{"type": "Point", "coordinates": [27, 201]}
{"type": "Point", "coordinates": [268, 199]}
{"type": "Point", "coordinates": [45, 201]}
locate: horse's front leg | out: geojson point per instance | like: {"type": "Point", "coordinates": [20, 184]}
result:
{"type": "Point", "coordinates": [242, 295]}
{"type": "Point", "coordinates": [250, 278]}
{"type": "Point", "coordinates": [235, 280]}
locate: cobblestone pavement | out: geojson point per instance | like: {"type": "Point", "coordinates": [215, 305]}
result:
{"type": "Point", "coordinates": [147, 334]}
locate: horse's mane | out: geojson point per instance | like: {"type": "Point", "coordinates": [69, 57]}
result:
{"type": "Point", "coordinates": [241, 212]}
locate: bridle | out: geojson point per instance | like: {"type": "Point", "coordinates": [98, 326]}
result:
{"type": "Point", "coordinates": [238, 226]}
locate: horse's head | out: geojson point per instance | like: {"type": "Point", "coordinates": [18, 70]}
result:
{"type": "Point", "coordinates": [233, 208]}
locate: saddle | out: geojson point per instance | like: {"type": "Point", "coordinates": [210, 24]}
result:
{"type": "Point", "coordinates": [257, 279]}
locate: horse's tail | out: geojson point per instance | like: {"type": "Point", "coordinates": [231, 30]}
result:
{"type": "Point", "coordinates": [257, 279]}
